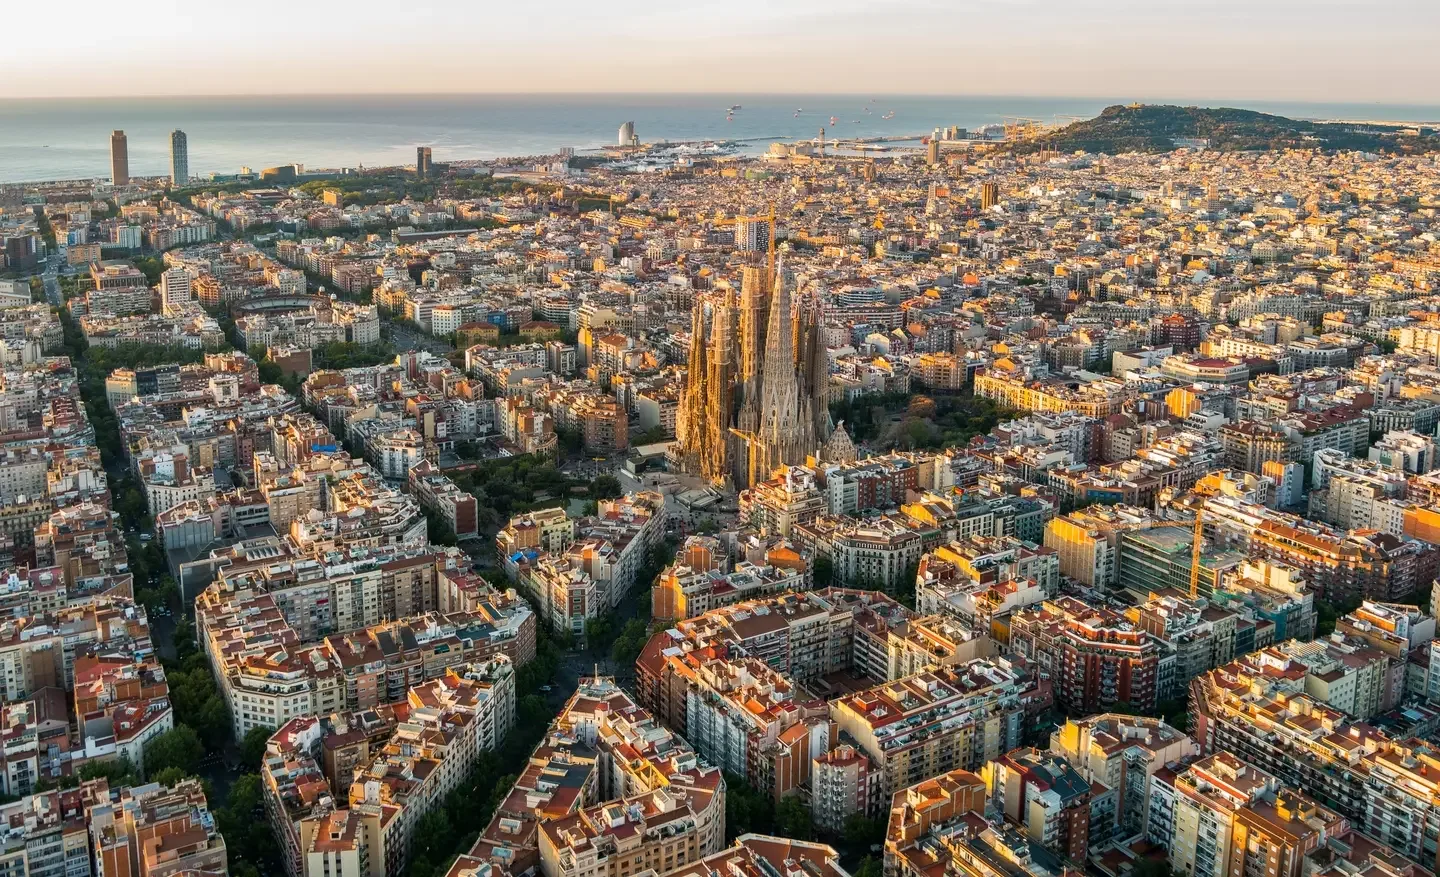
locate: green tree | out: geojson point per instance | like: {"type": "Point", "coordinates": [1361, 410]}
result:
{"type": "Point", "coordinates": [870, 867]}
{"type": "Point", "coordinates": [860, 830]}
{"type": "Point", "coordinates": [64, 781]}
{"type": "Point", "coordinates": [252, 747]}
{"type": "Point", "coordinates": [1152, 868]}
{"type": "Point", "coordinates": [746, 810]}
{"type": "Point", "coordinates": [629, 643]}
{"type": "Point", "coordinates": [599, 632]}
{"type": "Point", "coordinates": [169, 776]}
{"type": "Point", "coordinates": [439, 529]}
{"type": "Point", "coordinates": [650, 436]}
{"type": "Point", "coordinates": [151, 267]}
{"type": "Point", "coordinates": [793, 819]}
{"type": "Point", "coordinates": [119, 772]}
{"type": "Point", "coordinates": [605, 487]}
{"type": "Point", "coordinates": [824, 571]}
{"type": "Point", "coordinates": [179, 747]}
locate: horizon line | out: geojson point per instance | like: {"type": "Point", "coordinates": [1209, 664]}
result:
{"type": "Point", "coordinates": [1208, 102]}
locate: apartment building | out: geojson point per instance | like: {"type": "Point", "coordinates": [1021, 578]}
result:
{"type": "Point", "coordinates": [843, 782]}
{"type": "Point", "coordinates": [802, 636]}
{"type": "Point", "coordinates": [155, 831]}
{"type": "Point", "coordinates": [755, 723]}
{"type": "Point", "coordinates": [596, 563]}
{"type": "Point", "coordinates": [933, 641]}
{"type": "Point", "coordinates": [1258, 710]}
{"type": "Point", "coordinates": [1195, 635]}
{"type": "Point", "coordinates": [1123, 753]}
{"type": "Point", "coordinates": [872, 552]}
{"type": "Point", "coordinates": [344, 791]}
{"type": "Point", "coordinates": [451, 721]}
{"type": "Point", "coordinates": [1272, 593]}
{"type": "Point", "coordinates": [543, 530]}
{"type": "Point", "coordinates": [45, 834]}
{"type": "Point", "coordinates": [606, 786]}
{"type": "Point", "coordinates": [659, 831]}
{"type": "Point", "coordinates": [379, 664]}
{"type": "Point", "coordinates": [1221, 816]}
{"type": "Point", "coordinates": [702, 578]}
{"type": "Point", "coordinates": [1097, 658]}
{"type": "Point", "coordinates": [121, 704]}
{"type": "Point", "coordinates": [1341, 566]}
{"type": "Point", "coordinates": [39, 651]}
{"type": "Point", "coordinates": [118, 288]}
{"type": "Point", "coordinates": [1051, 803]}
{"type": "Point", "coordinates": [271, 671]}
{"type": "Point", "coordinates": [936, 721]}
{"type": "Point", "coordinates": [760, 855]}
{"type": "Point", "coordinates": [791, 497]}
{"type": "Point", "coordinates": [456, 507]}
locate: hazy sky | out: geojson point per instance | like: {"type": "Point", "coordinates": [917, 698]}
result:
{"type": "Point", "coordinates": [1319, 50]}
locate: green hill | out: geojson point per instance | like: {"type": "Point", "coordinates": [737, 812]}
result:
{"type": "Point", "coordinates": [1149, 128]}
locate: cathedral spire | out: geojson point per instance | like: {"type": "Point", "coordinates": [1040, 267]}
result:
{"type": "Point", "coordinates": [691, 424]}
{"type": "Point", "coordinates": [781, 436]}
{"type": "Point", "coordinates": [720, 390]}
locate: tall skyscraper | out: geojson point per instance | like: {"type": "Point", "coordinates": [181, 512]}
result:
{"type": "Point", "coordinates": [627, 134]}
{"type": "Point", "coordinates": [932, 151]}
{"type": "Point", "coordinates": [423, 162]}
{"type": "Point", "coordinates": [176, 287]}
{"type": "Point", "coordinates": [119, 158]}
{"type": "Point", "coordinates": [752, 234]}
{"type": "Point", "coordinates": [179, 157]}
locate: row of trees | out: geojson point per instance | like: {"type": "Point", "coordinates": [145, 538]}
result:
{"type": "Point", "coordinates": [449, 830]}
{"type": "Point", "coordinates": [605, 634]}
{"type": "Point", "coordinates": [508, 485]}
{"type": "Point", "coordinates": [202, 716]}
{"type": "Point", "coordinates": [911, 421]}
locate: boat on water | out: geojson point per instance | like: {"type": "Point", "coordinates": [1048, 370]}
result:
{"type": "Point", "coordinates": [833, 120]}
{"type": "Point", "coordinates": [734, 107]}
{"type": "Point", "coordinates": [889, 115]}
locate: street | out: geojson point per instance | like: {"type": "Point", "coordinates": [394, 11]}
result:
{"type": "Point", "coordinates": [404, 339]}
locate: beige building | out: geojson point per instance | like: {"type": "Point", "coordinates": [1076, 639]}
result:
{"type": "Point", "coordinates": [1087, 541]}
{"type": "Point", "coordinates": [1124, 753]}
{"type": "Point", "coordinates": [910, 729]}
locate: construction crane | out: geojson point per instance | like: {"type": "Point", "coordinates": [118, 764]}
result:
{"type": "Point", "coordinates": [1021, 128]}
{"type": "Point", "coordinates": [1195, 552]}
{"type": "Point", "coordinates": [752, 453]}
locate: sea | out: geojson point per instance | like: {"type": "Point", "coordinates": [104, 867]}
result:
{"type": "Point", "coordinates": [55, 139]}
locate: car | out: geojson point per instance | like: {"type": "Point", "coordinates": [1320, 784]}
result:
{"type": "Point", "coordinates": [547, 688]}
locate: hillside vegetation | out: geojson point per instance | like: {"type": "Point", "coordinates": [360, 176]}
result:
{"type": "Point", "coordinates": [1150, 128]}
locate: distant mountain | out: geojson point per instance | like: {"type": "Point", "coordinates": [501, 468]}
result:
{"type": "Point", "coordinates": [1148, 128]}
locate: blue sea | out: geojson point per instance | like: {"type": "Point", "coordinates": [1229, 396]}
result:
{"type": "Point", "coordinates": [48, 139]}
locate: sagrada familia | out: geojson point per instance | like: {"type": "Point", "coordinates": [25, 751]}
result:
{"type": "Point", "coordinates": [756, 392]}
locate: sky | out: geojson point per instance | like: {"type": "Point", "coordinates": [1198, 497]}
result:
{"type": "Point", "coordinates": [1303, 50]}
